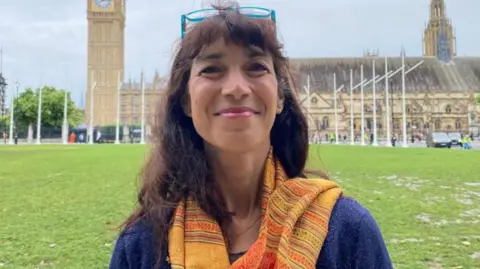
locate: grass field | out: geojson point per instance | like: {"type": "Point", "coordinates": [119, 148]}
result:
{"type": "Point", "coordinates": [59, 204]}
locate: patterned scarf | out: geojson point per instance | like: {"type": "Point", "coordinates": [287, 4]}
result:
{"type": "Point", "coordinates": [294, 226]}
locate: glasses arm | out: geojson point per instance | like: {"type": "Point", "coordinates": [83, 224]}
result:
{"type": "Point", "coordinates": [183, 25]}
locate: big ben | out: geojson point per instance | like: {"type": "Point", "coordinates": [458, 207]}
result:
{"type": "Point", "coordinates": [105, 64]}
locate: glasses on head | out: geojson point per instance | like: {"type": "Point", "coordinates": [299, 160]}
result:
{"type": "Point", "coordinates": [202, 14]}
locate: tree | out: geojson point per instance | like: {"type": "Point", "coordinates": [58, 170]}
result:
{"type": "Point", "coordinates": [478, 99]}
{"type": "Point", "coordinates": [26, 108]}
{"type": "Point", "coordinates": [4, 122]}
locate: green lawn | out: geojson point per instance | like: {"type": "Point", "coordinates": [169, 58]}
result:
{"type": "Point", "coordinates": [59, 205]}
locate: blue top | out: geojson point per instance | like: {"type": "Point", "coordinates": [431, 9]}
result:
{"type": "Point", "coordinates": [353, 241]}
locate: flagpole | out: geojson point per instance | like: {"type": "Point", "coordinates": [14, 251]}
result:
{"type": "Point", "coordinates": [308, 102]}
{"type": "Point", "coordinates": [404, 115]}
{"type": "Point", "coordinates": [90, 127]}
{"type": "Point", "coordinates": [352, 134]}
{"type": "Point", "coordinates": [39, 116]}
{"type": "Point", "coordinates": [387, 105]}
{"type": "Point", "coordinates": [375, 141]}
{"type": "Point", "coordinates": [307, 89]}
{"type": "Point", "coordinates": [65, 121]}
{"type": "Point", "coordinates": [117, 127]}
{"type": "Point", "coordinates": [12, 107]}
{"type": "Point", "coordinates": [142, 134]}
{"type": "Point", "coordinates": [335, 106]}
{"type": "Point", "coordinates": [362, 124]}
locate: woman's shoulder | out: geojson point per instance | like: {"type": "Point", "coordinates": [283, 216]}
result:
{"type": "Point", "coordinates": [354, 239]}
{"type": "Point", "coordinates": [134, 246]}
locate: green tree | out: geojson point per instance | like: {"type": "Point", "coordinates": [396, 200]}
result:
{"type": "Point", "coordinates": [4, 122]}
{"type": "Point", "coordinates": [26, 108]}
{"type": "Point", "coordinates": [478, 99]}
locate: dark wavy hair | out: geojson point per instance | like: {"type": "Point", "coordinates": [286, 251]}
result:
{"type": "Point", "coordinates": [177, 166]}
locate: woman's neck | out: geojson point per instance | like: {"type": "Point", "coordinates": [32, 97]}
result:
{"type": "Point", "coordinates": [239, 176]}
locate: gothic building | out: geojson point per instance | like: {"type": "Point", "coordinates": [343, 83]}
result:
{"type": "Point", "coordinates": [439, 92]}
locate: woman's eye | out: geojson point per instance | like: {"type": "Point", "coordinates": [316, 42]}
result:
{"type": "Point", "coordinates": [210, 70]}
{"type": "Point", "coordinates": [257, 67]}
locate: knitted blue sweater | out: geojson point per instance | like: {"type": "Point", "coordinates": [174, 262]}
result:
{"type": "Point", "coordinates": [353, 241]}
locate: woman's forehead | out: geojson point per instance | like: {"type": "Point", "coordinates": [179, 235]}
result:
{"type": "Point", "coordinates": [221, 48]}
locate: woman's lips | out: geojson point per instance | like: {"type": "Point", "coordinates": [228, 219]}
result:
{"type": "Point", "coordinates": [237, 112]}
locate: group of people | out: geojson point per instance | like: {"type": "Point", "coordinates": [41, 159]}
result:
{"type": "Point", "coordinates": [466, 141]}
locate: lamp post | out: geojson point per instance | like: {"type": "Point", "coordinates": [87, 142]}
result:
{"type": "Point", "coordinates": [12, 117]}
{"type": "Point", "coordinates": [90, 125]}
{"type": "Point", "coordinates": [117, 125]}
{"type": "Point", "coordinates": [404, 115]}
{"type": "Point", "coordinates": [142, 134]}
{"type": "Point", "coordinates": [39, 117]}
{"type": "Point", "coordinates": [335, 90]}
{"type": "Point", "coordinates": [3, 86]}
{"type": "Point", "coordinates": [65, 117]}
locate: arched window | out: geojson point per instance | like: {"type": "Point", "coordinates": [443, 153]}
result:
{"type": "Point", "coordinates": [409, 109]}
{"type": "Point", "coordinates": [458, 124]}
{"type": "Point", "coordinates": [426, 125]}
{"type": "Point", "coordinates": [438, 124]}
{"type": "Point", "coordinates": [448, 109]}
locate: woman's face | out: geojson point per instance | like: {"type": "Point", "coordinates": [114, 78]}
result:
{"type": "Point", "coordinates": [233, 96]}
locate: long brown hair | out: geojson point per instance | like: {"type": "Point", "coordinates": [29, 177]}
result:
{"type": "Point", "coordinates": [177, 166]}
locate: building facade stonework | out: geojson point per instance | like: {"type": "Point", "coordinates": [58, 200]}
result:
{"type": "Point", "coordinates": [105, 63]}
{"type": "Point", "coordinates": [439, 93]}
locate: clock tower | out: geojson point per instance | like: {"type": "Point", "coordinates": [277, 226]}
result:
{"type": "Point", "coordinates": [438, 37]}
{"type": "Point", "coordinates": [105, 59]}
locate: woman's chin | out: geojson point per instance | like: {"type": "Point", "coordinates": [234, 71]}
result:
{"type": "Point", "coordinates": [239, 143]}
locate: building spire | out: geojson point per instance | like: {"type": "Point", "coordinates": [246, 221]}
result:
{"type": "Point", "coordinates": [438, 37]}
{"type": "Point", "coordinates": [437, 9]}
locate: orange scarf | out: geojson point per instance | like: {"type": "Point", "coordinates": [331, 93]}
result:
{"type": "Point", "coordinates": [294, 226]}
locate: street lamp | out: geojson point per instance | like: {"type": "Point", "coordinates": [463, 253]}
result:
{"type": "Point", "coordinates": [13, 123]}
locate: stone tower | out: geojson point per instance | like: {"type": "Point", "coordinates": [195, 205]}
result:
{"type": "Point", "coordinates": [105, 64]}
{"type": "Point", "coordinates": [439, 38]}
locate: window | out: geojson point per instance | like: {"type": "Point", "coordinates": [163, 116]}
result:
{"type": "Point", "coordinates": [369, 124]}
{"type": "Point", "coordinates": [314, 101]}
{"type": "Point", "coordinates": [396, 124]}
{"type": "Point", "coordinates": [458, 124]}
{"type": "Point", "coordinates": [438, 124]}
{"type": "Point", "coordinates": [448, 109]}
{"type": "Point", "coordinates": [325, 122]}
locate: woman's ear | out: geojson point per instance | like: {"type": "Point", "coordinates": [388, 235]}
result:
{"type": "Point", "coordinates": [187, 109]}
{"type": "Point", "coordinates": [280, 104]}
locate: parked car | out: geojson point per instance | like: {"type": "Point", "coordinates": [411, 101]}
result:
{"type": "Point", "coordinates": [439, 140]}
{"type": "Point", "coordinates": [456, 139]}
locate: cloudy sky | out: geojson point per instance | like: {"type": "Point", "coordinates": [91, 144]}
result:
{"type": "Point", "coordinates": [44, 42]}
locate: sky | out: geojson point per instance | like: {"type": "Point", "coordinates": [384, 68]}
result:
{"type": "Point", "coordinates": [45, 42]}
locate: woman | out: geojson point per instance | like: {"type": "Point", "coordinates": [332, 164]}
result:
{"type": "Point", "coordinates": [225, 185]}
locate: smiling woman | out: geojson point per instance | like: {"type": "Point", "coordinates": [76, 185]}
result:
{"type": "Point", "coordinates": [225, 184]}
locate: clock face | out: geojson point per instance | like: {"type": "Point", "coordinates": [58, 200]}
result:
{"type": "Point", "coordinates": [103, 3]}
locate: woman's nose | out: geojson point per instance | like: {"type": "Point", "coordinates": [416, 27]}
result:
{"type": "Point", "coordinates": [236, 84]}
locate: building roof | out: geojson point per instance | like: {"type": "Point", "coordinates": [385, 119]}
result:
{"type": "Point", "coordinates": [158, 84]}
{"type": "Point", "coordinates": [461, 74]}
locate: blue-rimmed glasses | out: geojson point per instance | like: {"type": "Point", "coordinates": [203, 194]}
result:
{"type": "Point", "coordinates": [202, 14]}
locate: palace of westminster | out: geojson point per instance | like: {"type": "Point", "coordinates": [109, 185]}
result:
{"type": "Point", "coordinates": [440, 93]}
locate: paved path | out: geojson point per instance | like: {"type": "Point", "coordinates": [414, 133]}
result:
{"type": "Point", "coordinates": [422, 144]}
